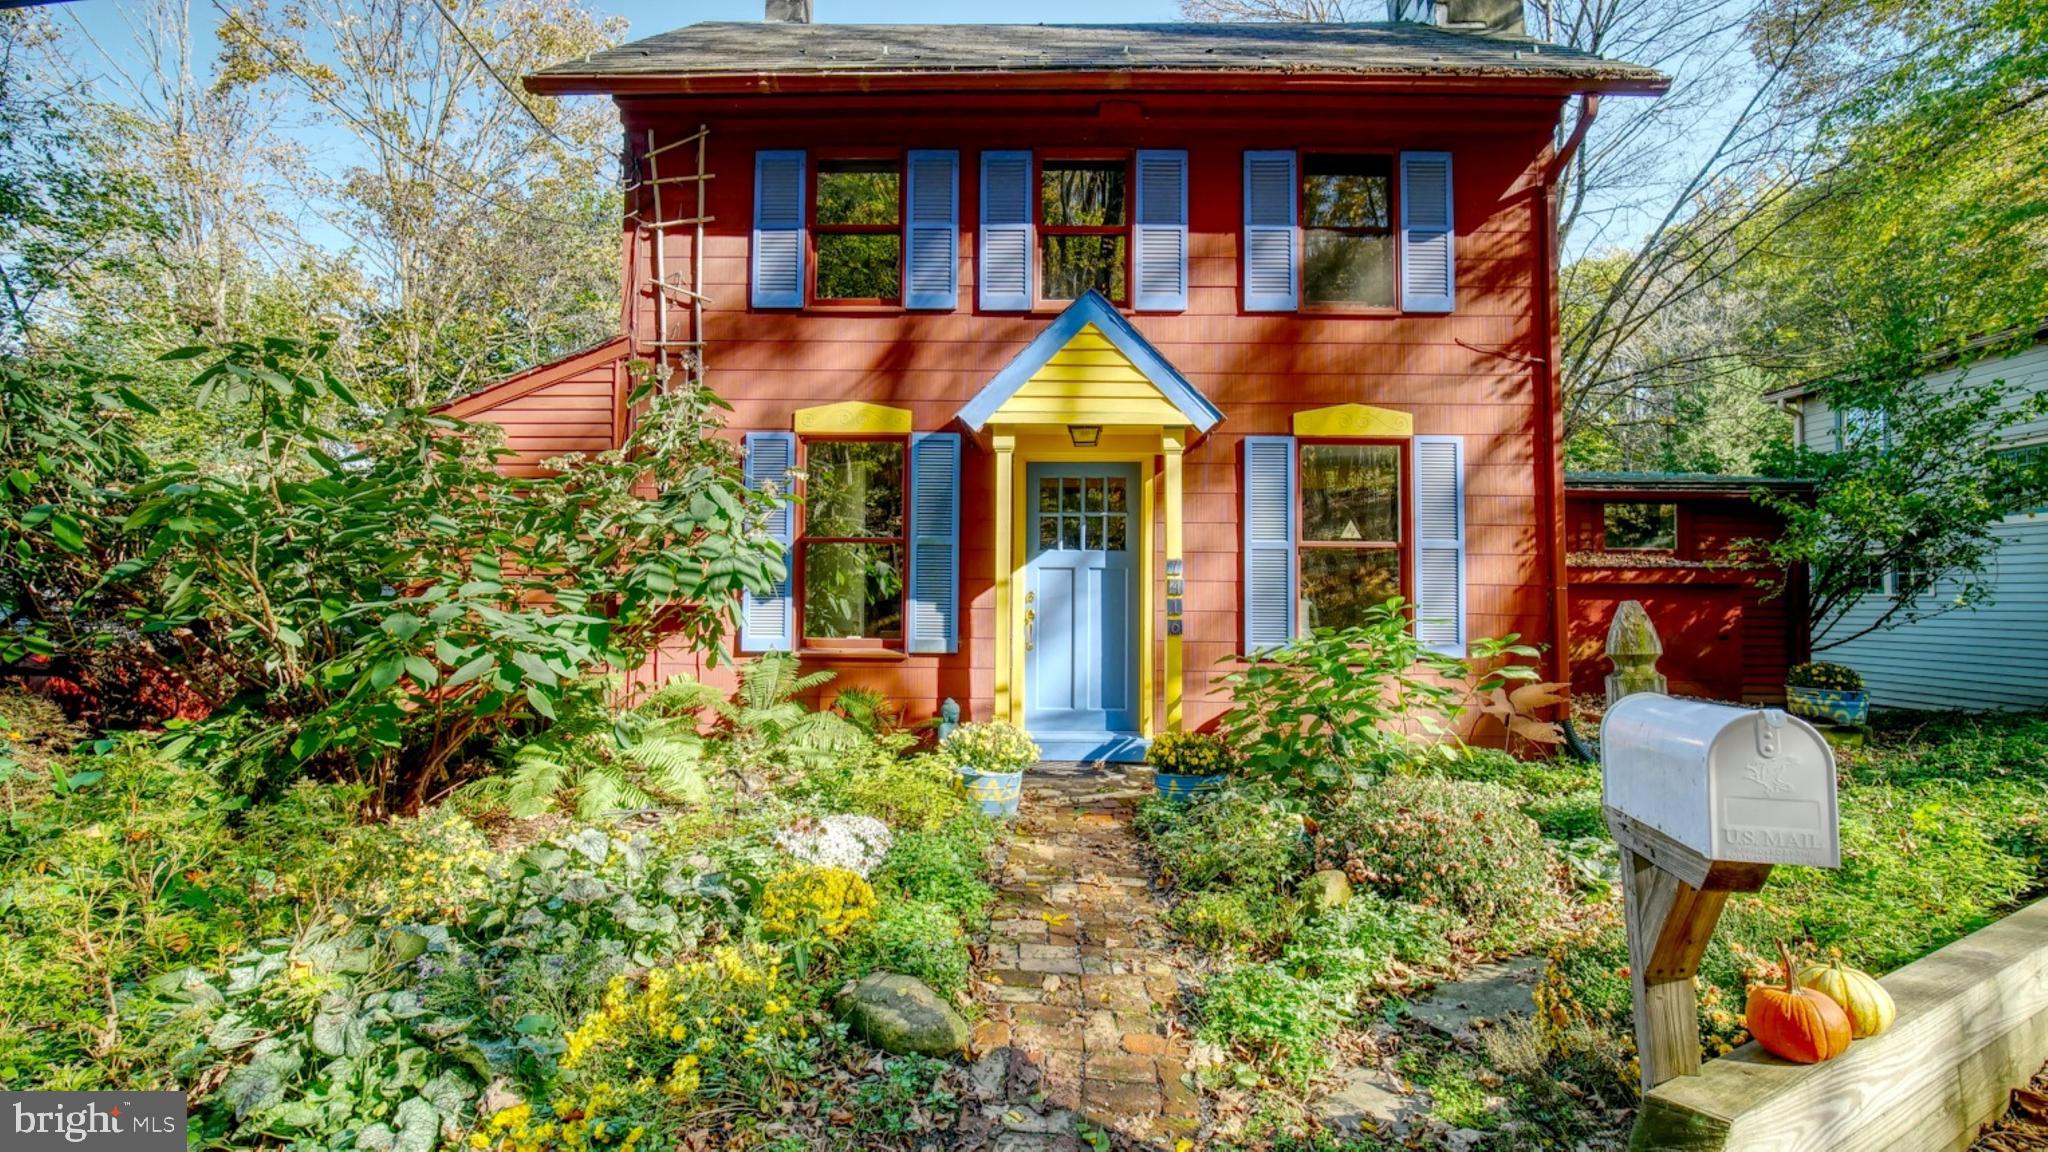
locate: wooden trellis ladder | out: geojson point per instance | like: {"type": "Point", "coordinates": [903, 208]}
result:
{"type": "Point", "coordinates": [669, 353]}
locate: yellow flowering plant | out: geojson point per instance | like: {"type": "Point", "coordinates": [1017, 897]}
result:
{"type": "Point", "coordinates": [993, 746]}
{"type": "Point", "coordinates": [729, 1029]}
{"type": "Point", "coordinates": [1191, 754]}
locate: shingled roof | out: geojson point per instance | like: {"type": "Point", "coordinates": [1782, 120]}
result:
{"type": "Point", "coordinates": [728, 56]}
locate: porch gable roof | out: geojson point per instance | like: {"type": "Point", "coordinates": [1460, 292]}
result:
{"type": "Point", "coordinates": [1092, 310]}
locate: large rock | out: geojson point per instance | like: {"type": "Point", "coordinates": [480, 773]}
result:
{"type": "Point", "coordinates": [1326, 890]}
{"type": "Point", "coordinates": [901, 1016]}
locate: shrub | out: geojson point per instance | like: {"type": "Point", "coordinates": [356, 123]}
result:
{"type": "Point", "coordinates": [912, 938]}
{"type": "Point", "coordinates": [1336, 706]}
{"type": "Point", "coordinates": [921, 793]}
{"type": "Point", "coordinates": [943, 867]}
{"type": "Point", "coordinates": [991, 746]}
{"type": "Point", "coordinates": [1233, 920]}
{"type": "Point", "coordinates": [1352, 946]}
{"type": "Point", "coordinates": [1455, 845]}
{"type": "Point", "coordinates": [1191, 754]}
{"type": "Point", "coordinates": [1821, 674]}
{"type": "Point", "coordinates": [1272, 1019]}
{"type": "Point", "coordinates": [1241, 838]}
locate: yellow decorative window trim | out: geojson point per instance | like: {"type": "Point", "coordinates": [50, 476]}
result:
{"type": "Point", "coordinates": [853, 418]}
{"type": "Point", "coordinates": [1353, 421]}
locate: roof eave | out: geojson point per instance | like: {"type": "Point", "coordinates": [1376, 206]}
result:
{"type": "Point", "coordinates": [565, 82]}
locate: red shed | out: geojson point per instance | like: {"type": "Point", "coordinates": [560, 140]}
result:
{"type": "Point", "coordinates": [1686, 546]}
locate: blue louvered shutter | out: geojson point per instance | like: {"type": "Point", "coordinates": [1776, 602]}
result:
{"type": "Point", "coordinates": [1271, 241]}
{"type": "Point", "coordinates": [933, 623]}
{"type": "Point", "coordinates": [1160, 233]}
{"type": "Point", "coordinates": [1429, 275]}
{"type": "Point", "coordinates": [1440, 543]}
{"type": "Point", "coordinates": [768, 623]}
{"type": "Point", "coordinates": [931, 231]}
{"type": "Point", "coordinates": [1003, 274]}
{"type": "Point", "coordinates": [1268, 542]}
{"type": "Point", "coordinates": [778, 266]}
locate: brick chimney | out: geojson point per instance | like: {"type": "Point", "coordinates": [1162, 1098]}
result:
{"type": "Point", "coordinates": [787, 12]}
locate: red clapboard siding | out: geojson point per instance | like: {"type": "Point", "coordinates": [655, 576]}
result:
{"type": "Point", "coordinates": [1480, 372]}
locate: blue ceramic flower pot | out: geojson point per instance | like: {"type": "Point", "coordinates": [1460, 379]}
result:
{"type": "Point", "coordinates": [1836, 705]}
{"type": "Point", "coordinates": [995, 792]}
{"type": "Point", "coordinates": [1181, 788]}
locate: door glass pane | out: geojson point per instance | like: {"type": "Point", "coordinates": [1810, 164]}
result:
{"type": "Point", "coordinates": [1339, 584]}
{"type": "Point", "coordinates": [1094, 494]}
{"type": "Point", "coordinates": [1048, 532]}
{"type": "Point", "coordinates": [1113, 539]}
{"type": "Point", "coordinates": [854, 488]}
{"type": "Point", "coordinates": [1350, 492]}
{"type": "Point", "coordinates": [1070, 500]}
{"type": "Point", "coordinates": [1070, 531]}
{"type": "Point", "coordinates": [1117, 495]}
{"type": "Point", "coordinates": [853, 591]}
{"type": "Point", "coordinates": [1048, 494]}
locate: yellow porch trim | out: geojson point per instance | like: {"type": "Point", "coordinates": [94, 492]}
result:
{"type": "Point", "coordinates": [1171, 447]}
{"type": "Point", "coordinates": [1018, 447]}
{"type": "Point", "coordinates": [1353, 421]}
{"type": "Point", "coordinates": [853, 418]}
{"type": "Point", "coordinates": [1088, 381]}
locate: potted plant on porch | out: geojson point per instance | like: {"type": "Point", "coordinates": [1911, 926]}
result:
{"type": "Point", "coordinates": [1823, 691]}
{"type": "Point", "coordinates": [991, 758]}
{"type": "Point", "coordinates": [1188, 764]}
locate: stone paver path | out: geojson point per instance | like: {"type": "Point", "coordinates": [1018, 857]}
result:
{"type": "Point", "coordinates": [1080, 993]}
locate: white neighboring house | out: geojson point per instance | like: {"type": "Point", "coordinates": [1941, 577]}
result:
{"type": "Point", "coordinates": [1994, 655]}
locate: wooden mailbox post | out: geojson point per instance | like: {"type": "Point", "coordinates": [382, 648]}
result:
{"type": "Point", "coordinates": [1704, 799]}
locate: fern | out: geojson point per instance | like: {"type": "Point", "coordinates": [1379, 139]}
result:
{"type": "Point", "coordinates": [606, 763]}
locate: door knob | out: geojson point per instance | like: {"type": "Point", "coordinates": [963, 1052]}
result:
{"type": "Point", "coordinates": [1030, 627]}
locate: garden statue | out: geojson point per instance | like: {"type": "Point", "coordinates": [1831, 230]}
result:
{"type": "Point", "coordinates": [1633, 648]}
{"type": "Point", "coordinates": [949, 717]}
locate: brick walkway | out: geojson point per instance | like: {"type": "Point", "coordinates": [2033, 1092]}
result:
{"type": "Point", "coordinates": [1079, 987]}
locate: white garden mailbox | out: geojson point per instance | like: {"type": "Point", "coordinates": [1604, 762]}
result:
{"type": "Point", "coordinates": [1752, 786]}
{"type": "Point", "coordinates": [1704, 800]}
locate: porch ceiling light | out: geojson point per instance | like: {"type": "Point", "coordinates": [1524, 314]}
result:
{"type": "Point", "coordinates": [1085, 435]}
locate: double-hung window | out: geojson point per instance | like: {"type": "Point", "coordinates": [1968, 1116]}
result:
{"type": "Point", "coordinates": [857, 231]}
{"type": "Point", "coordinates": [1639, 526]}
{"type": "Point", "coordinates": [1347, 230]}
{"type": "Point", "coordinates": [1352, 534]}
{"type": "Point", "coordinates": [853, 545]}
{"type": "Point", "coordinates": [1084, 228]}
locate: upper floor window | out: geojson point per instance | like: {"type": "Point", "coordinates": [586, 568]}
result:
{"type": "Point", "coordinates": [1352, 543]}
{"type": "Point", "coordinates": [1640, 527]}
{"type": "Point", "coordinates": [852, 549]}
{"type": "Point", "coordinates": [1347, 222]}
{"type": "Point", "coordinates": [857, 230]}
{"type": "Point", "coordinates": [1084, 229]}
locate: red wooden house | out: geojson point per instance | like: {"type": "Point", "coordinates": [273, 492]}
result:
{"type": "Point", "coordinates": [1105, 353]}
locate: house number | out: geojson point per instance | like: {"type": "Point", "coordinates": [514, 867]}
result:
{"type": "Point", "coordinates": [1176, 586]}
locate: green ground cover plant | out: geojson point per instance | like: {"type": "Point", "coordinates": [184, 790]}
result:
{"type": "Point", "coordinates": [469, 976]}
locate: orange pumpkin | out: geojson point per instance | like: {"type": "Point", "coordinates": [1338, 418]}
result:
{"type": "Point", "coordinates": [1799, 1024]}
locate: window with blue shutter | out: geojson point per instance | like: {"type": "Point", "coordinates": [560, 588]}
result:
{"type": "Point", "coordinates": [933, 621]}
{"type": "Point", "coordinates": [931, 231]}
{"type": "Point", "coordinates": [1161, 236]}
{"type": "Point", "coordinates": [778, 263]}
{"type": "Point", "coordinates": [1440, 543]}
{"type": "Point", "coordinates": [1271, 243]}
{"type": "Point", "coordinates": [768, 623]}
{"type": "Point", "coordinates": [1428, 238]}
{"type": "Point", "coordinates": [1003, 272]}
{"type": "Point", "coordinates": [1268, 542]}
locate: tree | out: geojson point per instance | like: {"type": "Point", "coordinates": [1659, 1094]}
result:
{"type": "Point", "coordinates": [1910, 501]}
{"type": "Point", "coordinates": [487, 218]}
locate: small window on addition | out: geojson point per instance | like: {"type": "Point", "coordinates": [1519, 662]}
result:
{"type": "Point", "coordinates": [1636, 527]}
{"type": "Point", "coordinates": [1347, 230]}
{"type": "Point", "coordinates": [857, 218]}
{"type": "Point", "coordinates": [853, 544]}
{"type": "Point", "coordinates": [1084, 229]}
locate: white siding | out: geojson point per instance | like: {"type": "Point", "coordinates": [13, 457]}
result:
{"type": "Point", "coordinates": [1991, 656]}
